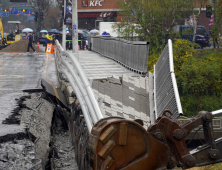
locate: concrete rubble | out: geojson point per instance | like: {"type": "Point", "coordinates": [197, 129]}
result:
{"type": "Point", "coordinates": [37, 117]}
{"type": "Point", "coordinates": [46, 139]}
{"type": "Point", "coordinates": [62, 152]}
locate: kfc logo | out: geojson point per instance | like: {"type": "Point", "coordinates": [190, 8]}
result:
{"type": "Point", "coordinates": [84, 3]}
{"type": "Point", "coordinates": [96, 3]}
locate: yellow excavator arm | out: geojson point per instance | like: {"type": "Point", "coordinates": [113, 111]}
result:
{"type": "Point", "coordinates": [1, 30]}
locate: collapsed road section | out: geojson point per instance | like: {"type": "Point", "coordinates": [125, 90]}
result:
{"type": "Point", "coordinates": [41, 140]}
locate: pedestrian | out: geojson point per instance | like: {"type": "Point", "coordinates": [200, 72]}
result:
{"type": "Point", "coordinates": [80, 41]}
{"type": "Point", "coordinates": [60, 38]}
{"type": "Point", "coordinates": [33, 38]}
{"type": "Point", "coordinates": [215, 41]}
{"type": "Point", "coordinates": [68, 41]}
{"type": "Point", "coordinates": [57, 37]}
{"type": "Point", "coordinates": [30, 37]}
{"type": "Point", "coordinates": [105, 33]}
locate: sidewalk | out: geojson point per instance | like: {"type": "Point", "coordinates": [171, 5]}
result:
{"type": "Point", "coordinates": [98, 67]}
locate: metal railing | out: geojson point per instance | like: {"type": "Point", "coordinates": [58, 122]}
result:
{"type": "Point", "coordinates": [166, 94]}
{"type": "Point", "coordinates": [131, 54]}
{"type": "Point", "coordinates": [80, 84]}
{"type": "Point", "coordinates": [216, 123]}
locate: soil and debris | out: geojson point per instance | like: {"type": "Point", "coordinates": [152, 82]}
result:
{"type": "Point", "coordinates": [18, 151]}
{"type": "Point", "coordinates": [20, 46]}
{"type": "Point", "coordinates": [17, 154]}
{"type": "Point", "coordinates": [62, 154]}
{"type": "Point", "coordinates": [47, 136]}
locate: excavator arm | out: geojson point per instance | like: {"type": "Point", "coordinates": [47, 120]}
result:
{"type": "Point", "coordinates": [117, 143]}
{"type": "Point", "coordinates": [1, 31]}
{"type": "Point", "coordinates": [174, 137]}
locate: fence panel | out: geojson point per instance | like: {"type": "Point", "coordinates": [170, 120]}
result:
{"type": "Point", "coordinates": [133, 55]}
{"type": "Point", "coordinates": [166, 94]}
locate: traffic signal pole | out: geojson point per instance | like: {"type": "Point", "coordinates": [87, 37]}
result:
{"type": "Point", "coordinates": [64, 28]}
{"type": "Point", "coordinates": [75, 29]}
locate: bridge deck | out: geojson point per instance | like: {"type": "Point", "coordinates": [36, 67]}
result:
{"type": "Point", "coordinates": [123, 93]}
{"type": "Point", "coordinates": [99, 67]}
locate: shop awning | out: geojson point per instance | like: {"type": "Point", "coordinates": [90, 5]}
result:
{"type": "Point", "coordinates": [105, 14]}
{"type": "Point", "coordinates": [88, 14]}
{"type": "Point", "coordinates": [94, 14]}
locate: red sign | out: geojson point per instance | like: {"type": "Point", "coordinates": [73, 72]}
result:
{"type": "Point", "coordinates": [84, 3]}
{"type": "Point", "coordinates": [20, 27]}
{"type": "Point", "coordinates": [10, 9]}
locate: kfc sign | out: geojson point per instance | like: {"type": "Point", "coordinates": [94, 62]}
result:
{"type": "Point", "coordinates": [84, 3]}
{"type": "Point", "coordinates": [96, 3]}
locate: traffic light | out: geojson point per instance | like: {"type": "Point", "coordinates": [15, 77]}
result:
{"type": "Point", "coordinates": [36, 16]}
{"type": "Point", "coordinates": [23, 10]}
{"type": "Point", "coordinates": [208, 11]}
{"type": "Point", "coordinates": [41, 15]}
{"type": "Point", "coordinates": [5, 10]}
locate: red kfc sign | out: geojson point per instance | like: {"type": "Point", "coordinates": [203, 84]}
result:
{"type": "Point", "coordinates": [84, 3]}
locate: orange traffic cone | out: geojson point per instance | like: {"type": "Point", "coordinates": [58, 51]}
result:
{"type": "Point", "coordinates": [78, 47]}
{"type": "Point", "coordinates": [85, 47]}
{"type": "Point", "coordinates": [38, 45]}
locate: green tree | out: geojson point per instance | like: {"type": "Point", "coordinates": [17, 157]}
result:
{"type": "Point", "coordinates": [217, 27]}
{"type": "Point", "coordinates": [152, 20]}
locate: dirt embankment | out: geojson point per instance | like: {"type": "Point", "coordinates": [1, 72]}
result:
{"type": "Point", "coordinates": [20, 46]}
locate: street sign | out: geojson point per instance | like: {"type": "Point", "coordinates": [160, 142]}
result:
{"type": "Point", "coordinates": [28, 12]}
{"type": "Point", "coordinates": [23, 4]}
{"type": "Point", "coordinates": [10, 8]}
{"type": "Point", "coordinates": [20, 27]}
{"type": "Point", "coordinates": [4, 14]}
{"type": "Point", "coordinates": [18, 1]}
{"type": "Point", "coordinates": [14, 11]}
{"type": "Point", "coordinates": [31, 17]}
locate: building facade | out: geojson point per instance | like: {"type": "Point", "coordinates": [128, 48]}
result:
{"type": "Point", "coordinates": [91, 12]}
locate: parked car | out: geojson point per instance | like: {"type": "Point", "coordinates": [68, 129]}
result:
{"type": "Point", "coordinates": [186, 32]}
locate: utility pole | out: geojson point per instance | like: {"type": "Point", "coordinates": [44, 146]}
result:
{"type": "Point", "coordinates": [75, 28]}
{"type": "Point", "coordinates": [37, 22]}
{"type": "Point", "coordinates": [64, 28]}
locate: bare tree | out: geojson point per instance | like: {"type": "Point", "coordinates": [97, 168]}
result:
{"type": "Point", "coordinates": [40, 7]}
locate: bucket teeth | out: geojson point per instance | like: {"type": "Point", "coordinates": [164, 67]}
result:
{"type": "Point", "coordinates": [107, 148]}
{"type": "Point", "coordinates": [107, 134]}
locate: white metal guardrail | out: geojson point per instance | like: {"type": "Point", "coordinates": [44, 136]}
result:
{"type": "Point", "coordinates": [80, 84]}
{"type": "Point", "coordinates": [131, 54]}
{"type": "Point", "coordinates": [166, 94]}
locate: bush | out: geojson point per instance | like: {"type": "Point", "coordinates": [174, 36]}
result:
{"type": "Point", "coordinates": [198, 75]}
{"type": "Point", "coordinates": [153, 58]}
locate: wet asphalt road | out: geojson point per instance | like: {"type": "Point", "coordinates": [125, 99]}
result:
{"type": "Point", "coordinates": [22, 71]}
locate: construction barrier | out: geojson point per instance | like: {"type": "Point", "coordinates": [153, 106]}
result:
{"type": "Point", "coordinates": [38, 45]}
{"type": "Point", "coordinates": [49, 48]}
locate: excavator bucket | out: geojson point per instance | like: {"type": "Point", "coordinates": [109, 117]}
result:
{"type": "Point", "coordinates": [117, 143]}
